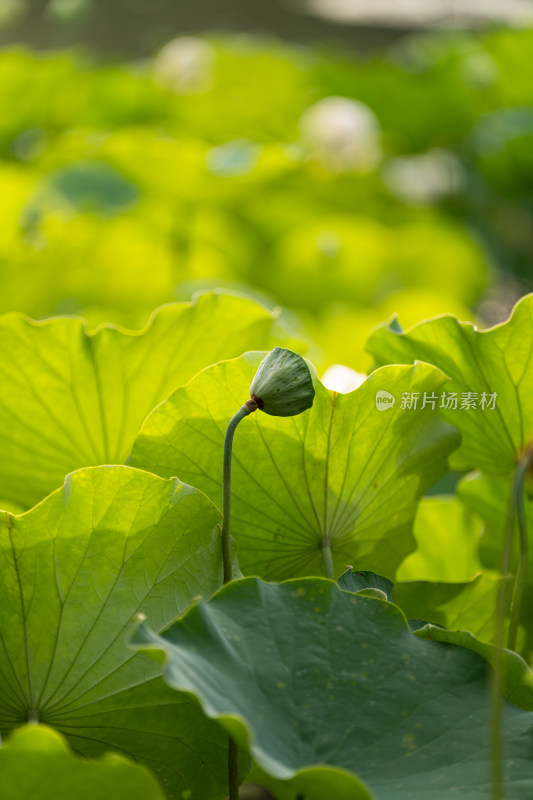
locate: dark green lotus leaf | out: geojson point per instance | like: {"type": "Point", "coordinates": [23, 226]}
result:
{"type": "Point", "coordinates": [72, 399]}
{"type": "Point", "coordinates": [517, 676]}
{"type": "Point", "coordinates": [347, 471]}
{"type": "Point", "coordinates": [479, 364]}
{"type": "Point", "coordinates": [86, 186]}
{"type": "Point", "coordinates": [312, 678]}
{"type": "Point", "coordinates": [36, 763]}
{"type": "Point", "coordinates": [354, 581]}
{"type": "Point", "coordinates": [282, 385]}
{"type": "Point", "coordinates": [75, 570]}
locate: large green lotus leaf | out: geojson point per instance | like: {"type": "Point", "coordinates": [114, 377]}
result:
{"type": "Point", "coordinates": [75, 570]}
{"type": "Point", "coordinates": [306, 676]}
{"type": "Point", "coordinates": [344, 469]}
{"type": "Point", "coordinates": [517, 675]}
{"type": "Point", "coordinates": [36, 763]}
{"type": "Point", "coordinates": [447, 537]}
{"type": "Point", "coordinates": [72, 399]}
{"type": "Point", "coordinates": [495, 360]}
{"type": "Point", "coordinates": [468, 606]}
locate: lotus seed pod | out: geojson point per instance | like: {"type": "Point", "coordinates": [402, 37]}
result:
{"type": "Point", "coordinates": [282, 385]}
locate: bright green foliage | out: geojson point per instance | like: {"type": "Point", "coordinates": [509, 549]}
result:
{"type": "Point", "coordinates": [489, 496]}
{"type": "Point", "coordinates": [219, 187]}
{"type": "Point", "coordinates": [122, 190]}
{"type": "Point", "coordinates": [465, 606]}
{"type": "Point", "coordinates": [368, 701]}
{"type": "Point", "coordinates": [72, 398]}
{"type": "Point", "coordinates": [121, 193]}
{"type": "Point", "coordinates": [36, 763]}
{"type": "Point", "coordinates": [447, 537]}
{"type": "Point", "coordinates": [343, 470]}
{"type": "Point", "coordinates": [75, 570]}
{"type": "Point", "coordinates": [482, 362]}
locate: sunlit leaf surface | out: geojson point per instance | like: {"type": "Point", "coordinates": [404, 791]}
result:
{"type": "Point", "coordinates": [480, 364]}
{"type": "Point", "coordinates": [75, 570]}
{"type": "Point", "coordinates": [345, 470]}
{"type": "Point", "coordinates": [36, 762]}
{"type": "Point", "coordinates": [72, 399]}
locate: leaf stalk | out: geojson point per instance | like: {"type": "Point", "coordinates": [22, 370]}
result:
{"type": "Point", "coordinates": [247, 408]}
{"type": "Point", "coordinates": [243, 411]}
{"type": "Point", "coordinates": [520, 579]}
{"type": "Point", "coordinates": [516, 511]}
{"type": "Point", "coordinates": [325, 544]}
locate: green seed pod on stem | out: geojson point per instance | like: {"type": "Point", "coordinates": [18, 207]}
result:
{"type": "Point", "coordinates": [282, 387]}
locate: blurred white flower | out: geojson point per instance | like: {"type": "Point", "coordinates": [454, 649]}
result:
{"type": "Point", "coordinates": [424, 179]}
{"type": "Point", "coordinates": [11, 11]}
{"type": "Point", "coordinates": [342, 134]}
{"type": "Point", "coordinates": [185, 65]}
{"type": "Point", "coordinates": [339, 378]}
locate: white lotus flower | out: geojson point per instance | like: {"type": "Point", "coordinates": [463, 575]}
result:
{"type": "Point", "coordinates": [424, 179]}
{"type": "Point", "coordinates": [185, 65]}
{"type": "Point", "coordinates": [342, 379]}
{"type": "Point", "coordinates": [342, 134]}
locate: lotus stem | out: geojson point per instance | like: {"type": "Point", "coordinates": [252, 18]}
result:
{"type": "Point", "coordinates": [247, 408]}
{"type": "Point", "coordinates": [282, 387]}
{"type": "Point", "coordinates": [325, 544]}
{"type": "Point", "coordinates": [233, 769]}
{"type": "Point", "coordinates": [516, 510]}
{"type": "Point", "coordinates": [243, 411]}
{"type": "Point", "coordinates": [518, 588]}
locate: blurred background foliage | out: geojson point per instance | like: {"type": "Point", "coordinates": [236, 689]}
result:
{"type": "Point", "coordinates": [343, 186]}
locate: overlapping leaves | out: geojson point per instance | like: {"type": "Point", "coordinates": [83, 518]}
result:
{"type": "Point", "coordinates": [443, 581]}
{"type": "Point", "coordinates": [480, 364]}
{"type": "Point", "coordinates": [344, 471]}
{"type": "Point", "coordinates": [72, 398]}
{"type": "Point", "coordinates": [75, 570]}
{"type": "Point", "coordinates": [36, 762]}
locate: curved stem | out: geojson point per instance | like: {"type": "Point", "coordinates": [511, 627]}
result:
{"type": "Point", "coordinates": [516, 509]}
{"type": "Point", "coordinates": [518, 589]}
{"type": "Point", "coordinates": [495, 691]}
{"type": "Point", "coordinates": [233, 769]}
{"type": "Point", "coordinates": [243, 411]}
{"type": "Point", "coordinates": [247, 408]}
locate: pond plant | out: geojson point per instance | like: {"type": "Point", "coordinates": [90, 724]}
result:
{"type": "Point", "coordinates": [361, 631]}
